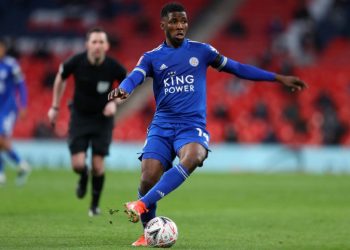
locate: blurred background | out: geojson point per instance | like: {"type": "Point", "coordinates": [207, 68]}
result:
{"type": "Point", "coordinates": [253, 126]}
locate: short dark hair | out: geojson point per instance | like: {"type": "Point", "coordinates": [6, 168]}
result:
{"type": "Point", "coordinates": [95, 29]}
{"type": "Point", "coordinates": [171, 7]}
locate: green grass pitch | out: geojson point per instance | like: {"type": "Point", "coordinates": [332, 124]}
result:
{"type": "Point", "coordinates": [212, 211]}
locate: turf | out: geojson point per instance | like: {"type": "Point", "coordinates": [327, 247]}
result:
{"type": "Point", "coordinates": [212, 211]}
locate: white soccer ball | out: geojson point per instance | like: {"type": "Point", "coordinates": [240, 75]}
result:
{"type": "Point", "coordinates": [161, 232]}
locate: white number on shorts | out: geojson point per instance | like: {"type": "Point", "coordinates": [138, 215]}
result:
{"type": "Point", "coordinates": [201, 133]}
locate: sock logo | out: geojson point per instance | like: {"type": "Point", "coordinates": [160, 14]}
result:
{"type": "Point", "coordinates": [160, 193]}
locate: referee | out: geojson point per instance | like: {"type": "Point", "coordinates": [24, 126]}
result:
{"type": "Point", "coordinates": [91, 121]}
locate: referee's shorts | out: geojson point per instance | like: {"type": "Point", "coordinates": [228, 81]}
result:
{"type": "Point", "coordinates": [90, 130]}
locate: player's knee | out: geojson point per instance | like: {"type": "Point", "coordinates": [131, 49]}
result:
{"type": "Point", "coordinates": [3, 143]}
{"type": "Point", "coordinates": [78, 168]}
{"type": "Point", "coordinates": [147, 184]}
{"type": "Point", "coordinates": [193, 161]}
{"type": "Point", "coordinates": [148, 180]}
{"type": "Point", "coordinates": [97, 171]}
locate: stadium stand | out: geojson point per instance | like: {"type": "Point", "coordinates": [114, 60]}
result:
{"type": "Point", "coordinates": [238, 111]}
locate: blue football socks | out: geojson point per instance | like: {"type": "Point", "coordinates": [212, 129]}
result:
{"type": "Point", "coordinates": [170, 180]}
{"type": "Point", "coordinates": [1, 164]}
{"type": "Point", "coordinates": [12, 154]}
{"type": "Point", "coordinates": [146, 217]}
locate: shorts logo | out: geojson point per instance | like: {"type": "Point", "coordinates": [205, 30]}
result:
{"type": "Point", "coordinates": [194, 61]}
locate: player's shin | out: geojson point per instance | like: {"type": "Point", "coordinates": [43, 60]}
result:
{"type": "Point", "coordinates": [97, 186]}
{"type": "Point", "coordinates": [82, 182]}
{"type": "Point", "coordinates": [170, 180]}
{"type": "Point", "coordinates": [147, 216]}
{"type": "Point", "coordinates": [2, 172]}
{"type": "Point", "coordinates": [13, 155]}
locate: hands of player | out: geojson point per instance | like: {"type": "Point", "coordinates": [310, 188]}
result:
{"type": "Point", "coordinates": [52, 115]}
{"type": "Point", "coordinates": [117, 93]}
{"type": "Point", "coordinates": [291, 82]}
{"type": "Point", "coordinates": [110, 109]}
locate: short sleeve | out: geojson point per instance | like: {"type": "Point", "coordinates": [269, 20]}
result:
{"type": "Point", "coordinates": [120, 72]}
{"type": "Point", "coordinates": [67, 68]}
{"type": "Point", "coordinates": [211, 53]}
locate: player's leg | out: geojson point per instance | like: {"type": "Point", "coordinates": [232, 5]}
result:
{"type": "Point", "coordinates": [7, 122]}
{"type": "Point", "coordinates": [23, 167]}
{"type": "Point", "coordinates": [191, 145]}
{"type": "Point", "coordinates": [79, 167]}
{"type": "Point", "coordinates": [100, 143]}
{"type": "Point", "coordinates": [191, 156]}
{"type": "Point", "coordinates": [78, 142]}
{"type": "Point", "coordinates": [98, 179]}
{"type": "Point", "coordinates": [158, 154]}
{"type": "Point", "coordinates": [151, 171]}
{"type": "Point", "coordinates": [2, 135]}
{"type": "Point", "coordinates": [2, 172]}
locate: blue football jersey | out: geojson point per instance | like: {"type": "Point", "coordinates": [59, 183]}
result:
{"type": "Point", "coordinates": [10, 77]}
{"type": "Point", "coordinates": [179, 80]}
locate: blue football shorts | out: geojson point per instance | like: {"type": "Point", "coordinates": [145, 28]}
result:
{"type": "Point", "coordinates": [7, 122]}
{"type": "Point", "coordinates": [164, 141]}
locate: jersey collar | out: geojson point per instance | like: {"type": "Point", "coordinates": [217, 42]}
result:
{"type": "Point", "coordinates": [184, 44]}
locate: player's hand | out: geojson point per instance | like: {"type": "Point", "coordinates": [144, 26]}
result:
{"type": "Point", "coordinates": [52, 115]}
{"type": "Point", "coordinates": [291, 82]}
{"type": "Point", "coordinates": [110, 109]}
{"type": "Point", "coordinates": [117, 93]}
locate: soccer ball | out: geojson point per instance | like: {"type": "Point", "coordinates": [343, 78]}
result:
{"type": "Point", "coordinates": [161, 232]}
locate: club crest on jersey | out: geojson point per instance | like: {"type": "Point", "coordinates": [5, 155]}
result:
{"type": "Point", "coordinates": [194, 61]}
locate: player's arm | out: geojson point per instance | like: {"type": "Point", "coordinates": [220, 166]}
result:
{"type": "Point", "coordinates": [112, 105]}
{"type": "Point", "coordinates": [58, 90]}
{"type": "Point", "coordinates": [122, 73]}
{"type": "Point", "coordinates": [21, 89]}
{"type": "Point", "coordinates": [142, 70]}
{"type": "Point", "coordinates": [135, 78]}
{"type": "Point", "coordinates": [253, 73]}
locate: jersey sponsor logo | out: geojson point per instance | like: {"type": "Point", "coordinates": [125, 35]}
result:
{"type": "Point", "coordinates": [102, 86]}
{"type": "Point", "coordinates": [194, 61]}
{"type": "Point", "coordinates": [177, 84]}
{"type": "Point", "coordinates": [163, 67]}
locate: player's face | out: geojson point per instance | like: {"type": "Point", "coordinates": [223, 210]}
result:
{"type": "Point", "coordinates": [97, 45]}
{"type": "Point", "coordinates": [175, 27]}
